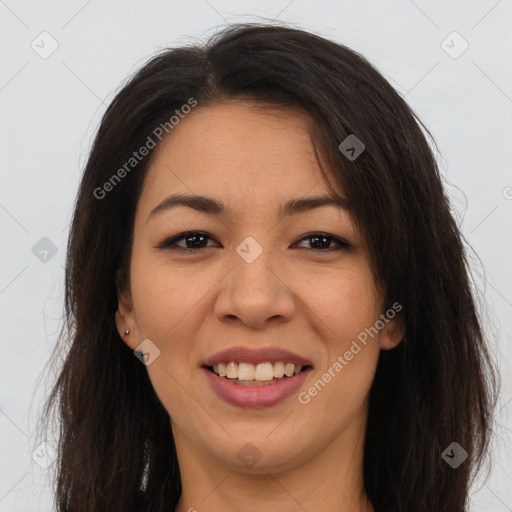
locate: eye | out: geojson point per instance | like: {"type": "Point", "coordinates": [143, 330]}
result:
{"type": "Point", "coordinates": [194, 241]}
{"type": "Point", "coordinates": [197, 240]}
{"type": "Point", "coordinates": [322, 241]}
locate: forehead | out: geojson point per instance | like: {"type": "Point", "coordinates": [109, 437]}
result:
{"type": "Point", "coordinates": [237, 151]}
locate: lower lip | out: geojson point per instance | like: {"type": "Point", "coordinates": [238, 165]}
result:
{"type": "Point", "coordinates": [255, 396]}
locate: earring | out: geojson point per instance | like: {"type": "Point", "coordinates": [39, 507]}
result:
{"type": "Point", "coordinates": [127, 332]}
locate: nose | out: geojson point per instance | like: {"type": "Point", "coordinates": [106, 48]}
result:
{"type": "Point", "coordinates": [255, 293]}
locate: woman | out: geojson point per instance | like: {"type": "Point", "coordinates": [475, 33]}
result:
{"type": "Point", "coordinates": [267, 297]}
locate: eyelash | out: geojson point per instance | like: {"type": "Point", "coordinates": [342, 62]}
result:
{"type": "Point", "coordinates": [170, 243]}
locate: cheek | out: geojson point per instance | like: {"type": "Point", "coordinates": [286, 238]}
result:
{"type": "Point", "coordinates": [347, 306]}
{"type": "Point", "coordinates": [167, 305]}
{"type": "Point", "coordinates": [347, 309]}
{"type": "Point", "coordinates": [345, 301]}
{"type": "Point", "coordinates": [171, 303]}
{"type": "Point", "coordinates": [165, 296]}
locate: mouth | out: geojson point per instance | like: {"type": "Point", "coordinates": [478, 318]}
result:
{"type": "Point", "coordinates": [249, 377]}
{"type": "Point", "coordinates": [246, 376]}
{"type": "Point", "coordinates": [261, 374]}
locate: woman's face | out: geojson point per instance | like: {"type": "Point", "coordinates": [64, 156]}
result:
{"type": "Point", "coordinates": [253, 282]}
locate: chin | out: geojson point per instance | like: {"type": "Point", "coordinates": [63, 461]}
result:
{"type": "Point", "coordinates": [256, 452]}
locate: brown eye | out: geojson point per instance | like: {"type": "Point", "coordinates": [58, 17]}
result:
{"type": "Point", "coordinates": [321, 242]}
{"type": "Point", "coordinates": [194, 241]}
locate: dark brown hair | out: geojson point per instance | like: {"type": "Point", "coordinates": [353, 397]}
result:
{"type": "Point", "coordinates": [436, 387]}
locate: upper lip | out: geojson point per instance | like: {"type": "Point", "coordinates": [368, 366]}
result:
{"type": "Point", "coordinates": [256, 355]}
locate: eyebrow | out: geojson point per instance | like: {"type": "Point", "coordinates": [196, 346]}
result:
{"type": "Point", "coordinates": [211, 206]}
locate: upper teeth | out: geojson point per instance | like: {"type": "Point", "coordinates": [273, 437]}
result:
{"type": "Point", "coordinates": [261, 371]}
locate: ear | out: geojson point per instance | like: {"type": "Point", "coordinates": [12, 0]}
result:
{"type": "Point", "coordinates": [125, 319]}
{"type": "Point", "coordinates": [392, 333]}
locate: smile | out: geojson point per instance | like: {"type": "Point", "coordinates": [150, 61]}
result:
{"type": "Point", "coordinates": [247, 377]}
{"type": "Point", "coordinates": [256, 374]}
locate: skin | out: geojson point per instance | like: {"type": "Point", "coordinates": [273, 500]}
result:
{"type": "Point", "coordinates": [294, 296]}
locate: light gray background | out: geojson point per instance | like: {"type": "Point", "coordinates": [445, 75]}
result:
{"type": "Point", "coordinates": [51, 108]}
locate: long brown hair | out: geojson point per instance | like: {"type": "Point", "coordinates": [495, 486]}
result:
{"type": "Point", "coordinates": [437, 387]}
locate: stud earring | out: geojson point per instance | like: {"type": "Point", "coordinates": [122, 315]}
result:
{"type": "Point", "coordinates": [127, 332]}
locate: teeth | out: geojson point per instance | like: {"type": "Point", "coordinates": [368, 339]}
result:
{"type": "Point", "coordinates": [246, 371]}
{"type": "Point", "coordinates": [289, 369]}
{"type": "Point", "coordinates": [232, 370]}
{"type": "Point", "coordinates": [260, 372]}
{"type": "Point", "coordinates": [278, 370]}
{"type": "Point", "coordinates": [264, 371]}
